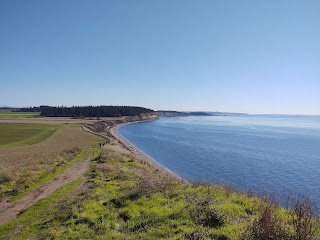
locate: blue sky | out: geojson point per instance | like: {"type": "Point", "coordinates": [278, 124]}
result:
{"type": "Point", "coordinates": [236, 56]}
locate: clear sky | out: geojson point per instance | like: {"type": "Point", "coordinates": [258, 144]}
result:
{"type": "Point", "coordinates": [237, 56]}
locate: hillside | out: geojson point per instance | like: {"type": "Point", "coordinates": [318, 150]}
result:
{"type": "Point", "coordinates": [123, 196]}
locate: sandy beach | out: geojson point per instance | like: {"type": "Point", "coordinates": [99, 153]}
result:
{"type": "Point", "coordinates": [137, 152]}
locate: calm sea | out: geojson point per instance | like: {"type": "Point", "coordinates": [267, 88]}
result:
{"type": "Point", "coordinates": [263, 152]}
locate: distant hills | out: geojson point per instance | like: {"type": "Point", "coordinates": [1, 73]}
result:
{"type": "Point", "coordinates": [8, 108]}
{"type": "Point", "coordinates": [163, 113]}
{"type": "Point", "coordinates": [227, 114]}
{"type": "Point", "coordinates": [5, 106]}
{"type": "Point", "coordinates": [199, 114]}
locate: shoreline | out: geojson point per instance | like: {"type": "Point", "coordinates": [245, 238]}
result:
{"type": "Point", "coordinates": [140, 154]}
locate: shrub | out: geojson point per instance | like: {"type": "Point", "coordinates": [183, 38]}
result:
{"type": "Point", "coordinates": [203, 211]}
{"type": "Point", "coordinates": [148, 184]}
{"type": "Point", "coordinates": [302, 212]}
{"type": "Point", "coordinates": [268, 226]}
{"type": "Point", "coordinates": [6, 176]}
{"type": "Point", "coordinates": [72, 150]}
{"type": "Point", "coordinates": [196, 235]}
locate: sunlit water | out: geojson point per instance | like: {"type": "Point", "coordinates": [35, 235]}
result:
{"type": "Point", "coordinates": [274, 153]}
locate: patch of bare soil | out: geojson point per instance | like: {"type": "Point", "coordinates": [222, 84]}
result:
{"type": "Point", "coordinates": [10, 210]}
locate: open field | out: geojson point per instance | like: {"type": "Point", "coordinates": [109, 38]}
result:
{"type": "Point", "coordinates": [23, 167]}
{"type": "Point", "coordinates": [73, 170]}
{"type": "Point", "coordinates": [55, 120]}
{"type": "Point", "coordinates": [20, 134]}
{"type": "Point", "coordinates": [7, 114]}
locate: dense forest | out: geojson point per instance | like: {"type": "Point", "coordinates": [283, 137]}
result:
{"type": "Point", "coordinates": [93, 111]}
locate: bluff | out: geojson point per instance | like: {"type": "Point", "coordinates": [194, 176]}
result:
{"type": "Point", "coordinates": [101, 126]}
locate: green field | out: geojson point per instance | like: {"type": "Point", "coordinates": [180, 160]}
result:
{"type": "Point", "coordinates": [7, 114]}
{"type": "Point", "coordinates": [20, 134]}
{"type": "Point", "coordinates": [24, 167]}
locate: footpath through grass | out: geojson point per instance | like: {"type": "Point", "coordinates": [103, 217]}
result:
{"type": "Point", "coordinates": [26, 167]}
{"type": "Point", "coordinates": [30, 219]}
{"type": "Point", "coordinates": [21, 134]}
{"type": "Point", "coordinates": [130, 200]}
{"type": "Point", "coordinates": [49, 176]}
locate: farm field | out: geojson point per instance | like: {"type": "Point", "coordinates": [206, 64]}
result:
{"type": "Point", "coordinates": [22, 167]}
{"type": "Point", "coordinates": [8, 114]}
{"type": "Point", "coordinates": [20, 134]}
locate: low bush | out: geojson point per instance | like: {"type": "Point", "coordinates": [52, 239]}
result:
{"type": "Point", "coordinates": [267, 226]}
{"type": "Point", "coordinates": [303, 216]}
{"type": "Point", "coordinates": [6, 176]}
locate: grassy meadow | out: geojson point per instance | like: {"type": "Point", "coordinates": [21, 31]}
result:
{"type": "Point", "coordinates": [20, 134]}
{"type": "Point", "coordinates": [8, 114]}
{"type": "Point", "coordinates": [24, 167]}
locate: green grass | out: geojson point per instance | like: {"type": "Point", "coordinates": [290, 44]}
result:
{"type": "Point", "coordinates": [6, 114]}
{"type": "Point", "coordinates": [49, 176]}
{"type": "Point", "coordinates": [24, 168]}
{"type": "Point", "coordinates": [21, 134]}
{"type": "Point", "coordinates": [29, 220]}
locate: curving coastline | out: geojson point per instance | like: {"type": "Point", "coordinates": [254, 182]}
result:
{"type": "Point", "coordinates": [136, 151]}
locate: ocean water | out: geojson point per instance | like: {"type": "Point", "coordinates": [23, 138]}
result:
{"type": "Point", "coordinates": [274, 153]}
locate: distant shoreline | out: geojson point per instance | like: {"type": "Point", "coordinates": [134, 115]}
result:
{"type": "Point", "coordinates": [136, 151]}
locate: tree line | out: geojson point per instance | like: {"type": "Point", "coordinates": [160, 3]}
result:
{"type": "Point", "coordinates": [31, 109]}
{"type": "Point", "coordinates": [93, 111]}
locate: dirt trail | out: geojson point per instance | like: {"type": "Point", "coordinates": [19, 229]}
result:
{"type": "Point", "coordinates": [10, 210]}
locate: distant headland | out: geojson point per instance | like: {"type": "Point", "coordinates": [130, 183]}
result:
{"type": "Point", "coordinates": [162, 113]}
